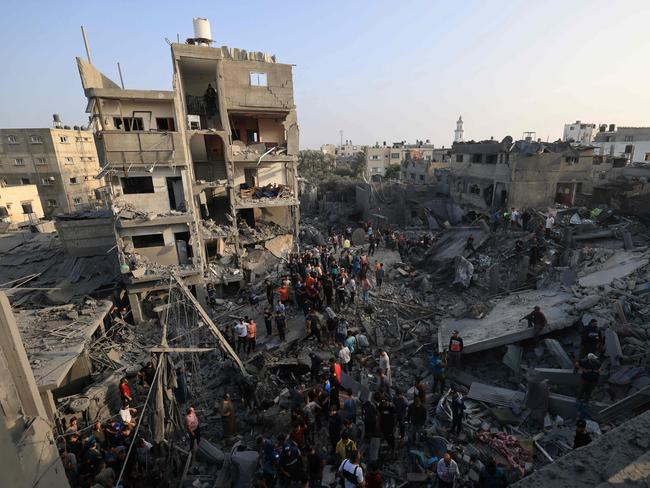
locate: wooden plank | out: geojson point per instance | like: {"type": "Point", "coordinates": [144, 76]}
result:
{"type": "Point", "coordinates": [208, 322]}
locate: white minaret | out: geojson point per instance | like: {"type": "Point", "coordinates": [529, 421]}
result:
{"type": "Point", "coordinates": [458, 133]}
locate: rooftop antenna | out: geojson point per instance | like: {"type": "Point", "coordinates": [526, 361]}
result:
{"type": "Point", "coordinates": [341, 134]}
{"type": "Point", "coordinates": [83, 33]}
{"type": "Point", "coordinates": [119, 69]}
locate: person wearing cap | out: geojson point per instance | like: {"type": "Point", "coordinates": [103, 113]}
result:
{"type": "Point", "coordinates": [455, 349]}
{"type": "Point", "coordinates": [591, 338]}
{"type": "Point", "coordinates": [589, 368]}
{"type": "Point", "coordinates": [582, 437]}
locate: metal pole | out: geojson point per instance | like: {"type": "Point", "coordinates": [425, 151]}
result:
{"type": "Point", "coordinates": [83, 33]}
{"type": "Point", "coordinates": [119, 69]}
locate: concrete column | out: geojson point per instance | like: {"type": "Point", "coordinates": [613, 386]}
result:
{"type": "Point", "coordinates": [10, 465]}
{"type": "Point", "coordinates": [136, 308]}
{"type": "Point", "coordinates": [48, 403]}
{"type": "Point", "coordinates": [17, 362]}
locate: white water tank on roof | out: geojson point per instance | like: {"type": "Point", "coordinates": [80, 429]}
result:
{"type": "Point", "coordinates": [202, 29]}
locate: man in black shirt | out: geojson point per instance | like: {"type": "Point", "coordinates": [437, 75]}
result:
{"type": "Point", "coordinates": [589, 375]}
{"type": "Point", "coordinates": [417, 416]}
{"type": "Point", "coordinates": [591, 338]}
{"type": "Point", "coordinates": [537, 320]}
{"type": "Point", "coordinates": [387, 417]}
{"type": "Point", "coordinates": [582, 436]}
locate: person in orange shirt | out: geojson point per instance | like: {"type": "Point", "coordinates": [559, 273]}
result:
{"type": "Point", "coordinates": [252, 335]}
{"type": "Point", "coordinates": [283, 293]}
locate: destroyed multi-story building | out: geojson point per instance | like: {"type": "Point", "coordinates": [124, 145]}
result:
{"type": "Point", "coordinates": [61, 161]}
{"type": "Point", "coordinates": [203, 177]}
{"type": "Point", "coordinates": [525, 173]}
{"type": "Point", "coordinates": [579, 132]}
{"type": "Point", "coordinates": [19, 205]}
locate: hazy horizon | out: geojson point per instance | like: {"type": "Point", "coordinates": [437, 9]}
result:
{"type": "Point", "coordinates": [379, 71]}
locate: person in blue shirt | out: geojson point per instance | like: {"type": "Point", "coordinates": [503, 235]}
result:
{"type": "Point", "coordinates": [439, 369]}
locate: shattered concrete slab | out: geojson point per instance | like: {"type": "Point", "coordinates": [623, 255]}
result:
{"type": "Point", "coordinates": [619, 265]}
{"type": "Point", "coordinates": [605, 463]}
{"type": "Point", "coordinates": [502, 325]}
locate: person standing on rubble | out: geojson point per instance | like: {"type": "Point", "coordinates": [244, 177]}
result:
{"type": "Point", "coordinates": [380, 272]}
{"type": "Point", "coordinates": [241, 331]}
{"type": "Point", "coordinates": [387, 418]}
{"type": "Point", "coordinates": [447, 472]}
{"type": "Point", "coordinates": [334, 427]}
{"type": "Point", "coordinates": [228, 419]}
{"type": "Point", "coordinates": [345, 356]}
{"type": "Point", "coordinates": [125, 391]}
{"type": "Point", "coordinates": [439, 370]}
{"type": "Point", "coordinates": [457, 413]}
{"type": "Point", "coordinates": [371, 245]}
{"type": "Point", "coordinates": [416, 415]}
{"type": "Point", "coordinates": [251, 329]}
{"type": "Point", "coordinates": [589, 368]}
{"type": "Point", "coordinates": [496, 220]}
{"type": "Point", "coordinates": [384, 365]}
{"type": "Point", "coordinates": [548, 226]}
{"type": "Point", "coordinates": [514, 218]}
{"type": "Point", "coordinates": [525, 219]}
{"type": "Point", "coordinates": [591, 339]}
{"type": "Point", "coordinates": [269, 291]}
{"type": "Point", "coordinates": [280, 321]}
{"type": "Point", "coordinates": [401, 408]}
{"type": "Point", "coordinates": [456, 347]}
{"type": "Point", "coordinates": [351, 472]}
{"type": "Point", "coordinates": [366, 286]}
{"type": "Point", "coordinates": [537, 320]}
{"type": "Point", "coordinates": [268, 321]}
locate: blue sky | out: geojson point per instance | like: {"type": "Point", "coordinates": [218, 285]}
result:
{"type": "Point", "coordinates": [378, 70]}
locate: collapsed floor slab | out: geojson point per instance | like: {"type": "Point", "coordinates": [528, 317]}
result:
{"type": "Point", "coordinates": [502, 325]}
{"type": "Point", "coordinates": [617, 458]}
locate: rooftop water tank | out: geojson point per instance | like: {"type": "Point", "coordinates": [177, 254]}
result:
{"type": "Point", "coordinates": [202, 30]}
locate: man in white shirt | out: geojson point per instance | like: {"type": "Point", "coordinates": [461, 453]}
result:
{"type": "Point", "coordinates": [384, 364]}
{"type": "Point", "coordinates": [550, 222]}
{"type": "Point", "coordinates": [447, 472]}
{"type": "Point", "coordinates": [241, 331]}
{"type": "Point", "coordinates": [126, 415]}
{"type": "Point", "coordinates": [345, 356]}
{"type": "Point", "coordinates": [351, 472]}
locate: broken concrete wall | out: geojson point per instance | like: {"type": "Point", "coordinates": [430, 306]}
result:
{"type": "Point", "coordinates": [92, 236]}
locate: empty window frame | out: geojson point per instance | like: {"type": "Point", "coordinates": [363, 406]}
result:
{"type": "Point", "coordinates": [19, 162]}
{"type": "Point", "coordinates": [165, 123]}
{"type": "Point", "coordinates": [27, 207]}
{"type": "Point", "coordinates": [64, 140]}
{"type": "Point", "coordinates": [69, 160]}
{"type": "Point", "coordinates": [74, 181]}
{"type": "Point", "coordinates": [35, 139]}
{"type": "Point", "coordinates": [258, 78]}
{"type": "Point", "coordinates": [40, 161]}
{"type": "Point", "coordinates": [51, 203]}
{"type": "Point", "coordinates": [25, 181]}
{"type": "Point", "coordinates": [629, 138]}
{"type": "Point", "coordinates": [476, 158]}
{"type": "Point", "coordinates": [137, 184]}
{"type": "Point", "coordinates": [49, 181]}
{"type": "Point", "coordinates": [459, 158]}
{"type": "Point", "coordinates": [77, 201]}
{"type": "Point", "coordinates": [12, 139]}
{"type": "Point", "coordinates": [629, 149]}
{"type": "Point", "coordinates": [128, 124]}
{"type": "Point", "coordinates": [148, 240]}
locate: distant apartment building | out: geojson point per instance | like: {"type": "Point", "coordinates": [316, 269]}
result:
{"type": "Point", "coordinates": [328, 149]}
{"type": "Point", "coordinates": [579, 132]}
{"type": "Point", "coordinates": [525, 173]}
{"type": "Point", "coordinates": [20, 205]}
{"type": "Point", "coordinates": [203, 177]}
{"type": "Point", "coordinates": [418, 162]}
{"type": "Point", "coordinates": [61, 162]}
{"type": "Point", "coordinates": [349, 150]}
{"type": "Point", "coordinates": [631, 143]}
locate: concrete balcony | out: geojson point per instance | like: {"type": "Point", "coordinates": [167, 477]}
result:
{"type": "Point", "coordinates": [139, 221]}
{"type": "Point", "coordinates": [142, 148]}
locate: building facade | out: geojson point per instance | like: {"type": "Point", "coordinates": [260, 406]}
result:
{"type": "Point", "coordinates": [418, 162]}
{"type": "Point", "coordinates": [203, 178]}
{"type": "Point", "coordinates": [62, 163]}
{"type": "Point", "coordinates": [20, 205]}
{"type": "Point", "coordinates": [579, 133]}
{"type": "Point", "coordinates": [492, 174]}
{"type": "Point", "coordinates": [631, 143]}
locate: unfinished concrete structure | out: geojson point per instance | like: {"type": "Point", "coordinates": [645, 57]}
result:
{"type": "Point", "coordinates": [62, 162]}
{"type": "Point", "coordinates": [203, 178]}
{"type": "Point", "coordinates": [29, 451]}
{"type": "Point", "coordinates": [19, 205]}
{"type": "Point", "coordinates": [525, 173]}
{"type": "Point", "coordinates": [579, 133]}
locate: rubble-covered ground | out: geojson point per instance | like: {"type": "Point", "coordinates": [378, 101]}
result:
{"type": "Point", "coordinates": [519, 393]}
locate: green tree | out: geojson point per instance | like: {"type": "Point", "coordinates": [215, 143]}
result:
{"type": "Point", "coordinates": [392, 172]}
{"type": "Point", "coordinates": [358, 164]}
{"type": "Point", "coordinates": [314, 164]}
